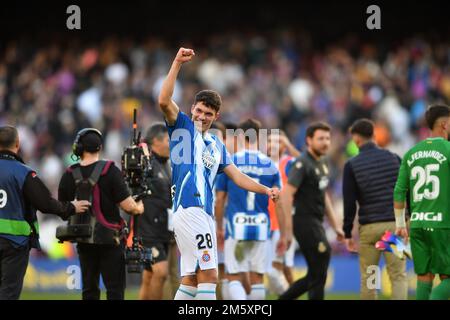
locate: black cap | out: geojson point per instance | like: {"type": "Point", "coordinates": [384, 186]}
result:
{"type": "Point", "coordinates": [91, 142]}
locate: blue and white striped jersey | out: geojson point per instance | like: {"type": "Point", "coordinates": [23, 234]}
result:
{"type": "Point", "coordinates": [247, 213]}
{"type": "Point", "coordinates": [196, 159]}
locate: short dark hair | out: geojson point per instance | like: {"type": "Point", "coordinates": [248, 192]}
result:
{"type": "Point", "coordinates": [91, 142]}
{"type": "Point", "coordinates": [364, 127]}
{"type": "Point", "coordinates": [434, 112]}
{"type": "Point", "coordinates": [250, 124]}
{"type": "Point", "coordinates": [317, 126]}
{"type": "Point", "coordinates": [8, 137]}
{"type": "Point", "coordinates": [210, 98]}
{"type": "Point", "coordinates": [156, 131]}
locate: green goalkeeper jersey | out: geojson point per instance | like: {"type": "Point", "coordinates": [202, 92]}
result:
{"type": "Point", "coordinates": [425, 174]}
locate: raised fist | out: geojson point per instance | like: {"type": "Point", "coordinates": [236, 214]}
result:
{"type": "Point", "coordinates": [184, 55]}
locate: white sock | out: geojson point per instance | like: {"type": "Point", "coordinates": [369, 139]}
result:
{"type": "Point", "coordinates": [236, 290]}
{"type": "Point", "coordinates": [258, 292]}
{"type": "Point", "coordinates": [225, 293]}
{"type": "Point", "coordinates": [277, 282]}
{"type": "Point", "coordinates": [185, 293]}
{"type": "Point", "coordinates": [206, 291]}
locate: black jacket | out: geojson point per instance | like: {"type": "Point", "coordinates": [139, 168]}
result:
{"type": "Point", "coordinates": [153, 224]}
{"type": "Point", "coordinates": [369, 179]}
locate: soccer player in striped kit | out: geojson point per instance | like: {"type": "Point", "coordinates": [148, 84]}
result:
{"type": "Point", "coordinates": [248, 223]}
{"type": "Point", "coordinates": [196, 158]}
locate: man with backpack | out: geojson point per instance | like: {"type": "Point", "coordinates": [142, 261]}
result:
{"type": "Point", "coordinates": [102, 253]}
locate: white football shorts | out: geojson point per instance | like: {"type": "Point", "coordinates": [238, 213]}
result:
{"type": "Point", "coordinates": [195, 235]}
{"type": "Point", "coordinates": [250, 256]}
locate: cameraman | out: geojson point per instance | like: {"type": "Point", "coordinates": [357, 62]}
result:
{"type": "Point", "coordinates": [21, 193]}
{"type": "Point", "coordinates": [154, 225]}
{"type": "Point", "coordinates": [105, 256]}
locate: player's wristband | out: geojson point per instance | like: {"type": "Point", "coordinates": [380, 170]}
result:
{"type": "Point", "coordinates": [400, 221]}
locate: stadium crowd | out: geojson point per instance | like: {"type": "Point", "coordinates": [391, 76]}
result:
{"type": "Point", "coordinates": [50, 91]}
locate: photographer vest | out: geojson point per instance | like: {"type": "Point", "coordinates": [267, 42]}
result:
{"type": "Point", "coordinates": [93, 226]}
{"type": "Point", "coordinates": [18, 222]}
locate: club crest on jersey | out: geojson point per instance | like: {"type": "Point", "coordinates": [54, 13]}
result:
{"type": "Point", "coordinates": [206, 257]}
{"type": "Point", "coordinates": [321, 247]}
{"type": "Point", "coordinates": [323, 183]}
{"type": "Point", "coordinates": [208, 160]}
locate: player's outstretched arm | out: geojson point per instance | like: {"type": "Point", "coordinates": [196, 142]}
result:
{"type": "Point", "coordinates": [166, 104]}
{"type": "Point", "coordinates": [245, 182]}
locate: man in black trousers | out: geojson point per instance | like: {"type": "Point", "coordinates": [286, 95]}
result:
{"type": "Point", "coordinates": [306, 188]}
{"type": "Point", "coordinates": [103, 253]}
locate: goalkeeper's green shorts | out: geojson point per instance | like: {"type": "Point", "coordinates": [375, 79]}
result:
{"type": "Point", "coordinates": [430, 250]}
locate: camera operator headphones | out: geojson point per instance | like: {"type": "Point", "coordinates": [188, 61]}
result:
{"type": "Point", "coordinates": [77, 146]}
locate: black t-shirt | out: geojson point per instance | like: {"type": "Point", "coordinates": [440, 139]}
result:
{"type": "Point", "coordinates": [310, 177]}
{"type": "Point", "coordinates": [113, 189]}
{"type": "Point", "coordinates": [154, 222]}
